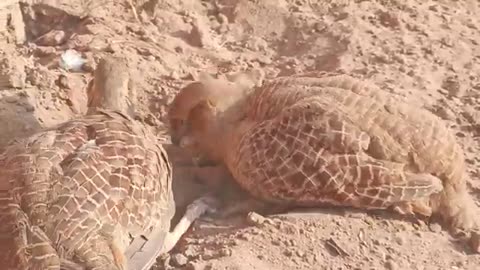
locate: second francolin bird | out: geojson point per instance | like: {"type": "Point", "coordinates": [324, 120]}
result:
{"type": "Point", "coordinates": [315, 139]}
{"type": "Point", "coordinates": [81, 191]}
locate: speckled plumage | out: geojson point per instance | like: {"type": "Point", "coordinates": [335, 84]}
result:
{"type": "Point", "coordinates": [80, 192]}
{"type": "Point", "coordinates": [329, 138]}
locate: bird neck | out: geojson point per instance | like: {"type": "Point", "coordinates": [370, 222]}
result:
{"type": "Point", "coordinates": [228, 132]}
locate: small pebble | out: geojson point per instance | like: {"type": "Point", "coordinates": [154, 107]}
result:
{"type": "Point", "coordinates": [453, 86]}
{"type": "Point", "coordinates": [435, 227]}
{"type": "Point", "coordinates": [194, 266]}
{"type": "Point", "coordinates": [255, 219]}
{"type": "Point", "coordinates": [11, 99]}
{"type": "Point", "coordinates": [276, 242]}
{"type": "Point", "coordinates": [288, 253]}
{"type": "Point", "coordinates": [475, 242]}
{"type": "Point", "coordinates": [179, 260]}
{"type": "Point", "coordinates": [63, 82]}
{"type": "Point", "coordinates": [226, 252]}
{"type": "Point", "coordinates": [391, 265]}
{"type": "Point", "coordinates": [245, 236]}
{"type": "Point", "coordinates": [400, 240]}
{"type": "Point", "coordinates": [300, 253]}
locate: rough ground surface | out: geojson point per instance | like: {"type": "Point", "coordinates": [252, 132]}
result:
{"type": "Point", "coordinates": [426, 52]}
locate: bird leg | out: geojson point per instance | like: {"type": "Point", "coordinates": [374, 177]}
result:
{"type": "Point", "coordinates": [146, 257]}
{"type": "Point", "coordinates": [207, 203]}
{"type": "Point", "coordinates": [118, 256]}
{"type": "Point", "coordinates": [235, 199]}
{"type": "Point", "coordinates": [246, 205]}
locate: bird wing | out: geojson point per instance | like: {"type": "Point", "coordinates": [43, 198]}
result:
{"type": "Point", "coordinates": [311, 153]}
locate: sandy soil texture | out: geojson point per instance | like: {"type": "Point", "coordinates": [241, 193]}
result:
{"type": "Point", "coordinates": [426, 52]}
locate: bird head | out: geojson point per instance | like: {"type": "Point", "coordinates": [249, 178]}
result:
{"type": "Point", "coordinates": [199, 113]}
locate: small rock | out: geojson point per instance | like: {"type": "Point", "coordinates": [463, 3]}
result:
{"type": "Point", "coordinates": [145, 52]}
{"type": "Point", "coordinates": [175, 75]}
{"type": "Point", "coordinates": [445, 113]}
{"type": "Point", "coordinates": [113, 47]}
{"type": "Point", "coordinates": [418, 233]}
{"type": "Point", "coordinates": [435, 227]}
{"type": "Point", "coordinates": [226, 252]}
{"type": "Point", "coordinates": [300, 253]}
{"type": "Point", "coordinates": [288, 253]}
{"type": "Point", "coordinates": [453, 86]}
{"type": "Point", "coordinates": [62, 82]}
{"type": "Point", "coordinates": [388, 19]}
{"type": "Point", "coordinates": [296, 260]}
{"type": "Point", "coordinates": [194, 266]}
{"type": "Point", "coordinates": [136, 29]}
{"type": "Point", "coordinates": [256, 231]}
{"type": "Point", "coordinates": [391, 265]}
{"type": "Point", "coordinates": [245, 236]}
{"type": "Point", "coordinates": [11, 99]}
{"type": "Point", "coordinates": [151, 58]}
{"type": "Point", "coordinates": [222, 19]}
{"type": "Point", "coordinates": [29, 108]}
{"type": "Point", "coordinates": [255, 219]}
{"type": "Point", "coordinates": [52, 38]}
{"type": "Point", "coordinates": [310, 259]}
{"type": "Point", "coordinates": [179, 260]}
{"type": "Point", "coordinates": [256, 44]}
{"type": "Point", "coordinates": [190, 252]}
{"type": "Point", "coordinates": [319, 27]}
{"type": "Point", "coordinates": [209, 255]}
{"type": "Point", "coordinates": [475, 242]}
{"type": "Point", "coordinates": [88, 66]}
{"type": "Point", "coordinates": [400, 240]}
{"type": "Point", "coordinates": [276, 242]}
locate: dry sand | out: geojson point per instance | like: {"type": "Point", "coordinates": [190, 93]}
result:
{"type": "Point", "coordinates": [426, 52]}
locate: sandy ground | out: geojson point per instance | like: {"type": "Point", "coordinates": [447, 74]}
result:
{"type": "Point", "coordinates": [426, 52]}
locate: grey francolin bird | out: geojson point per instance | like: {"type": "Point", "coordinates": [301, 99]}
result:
{"type": "Point", "coordinates": [81, 191]}
{"type": "Point", "coordinates": [327, 138]}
